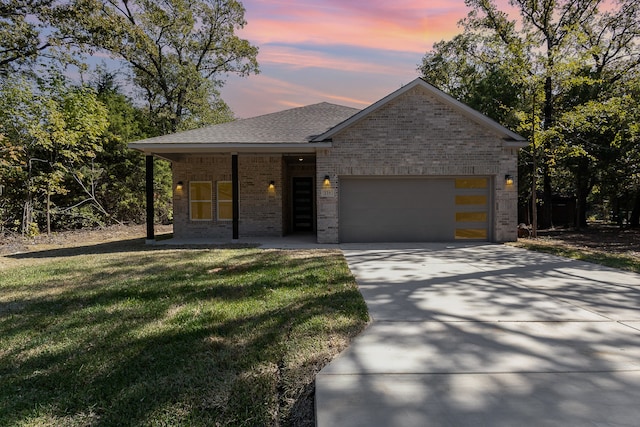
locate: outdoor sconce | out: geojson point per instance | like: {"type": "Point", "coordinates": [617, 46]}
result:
{"type": "Point", "coordinates": [179, 186]}
{"type": "Point", "coordinates": [272, 185]}
{"type": "Point", "coordinates": [508, 179]}
{"type": "Point", "coordinates": [326, 181]}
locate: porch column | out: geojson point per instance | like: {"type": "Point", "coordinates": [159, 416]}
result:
{"type": "Point", "coordinates": [235, 193]}
{"type": "Point", "coordinates": [149, 191]}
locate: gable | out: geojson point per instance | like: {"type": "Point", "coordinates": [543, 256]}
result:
{"type": "Point", "coordinates": [417, 116]}
{"type": "Point", "coordinates": [416, 133]}
{"type": "Point", "coordinates": [440, 103]}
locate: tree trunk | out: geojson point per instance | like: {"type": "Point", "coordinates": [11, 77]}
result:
{"type": "Point", "coordinates": [48, 213]}
{"type": "Point", "coordinates": [617, 212]}
{"type": "Point", "coordinates": [26, 217]}
{"type": "Point", "coordinates": [583, 188]}
{"type": "Point", "coordinates": [547, 198]}
{"type": "Point", "coordinates": [547, 195]}
{"type": "Point", "coordinates": [635, 213]}
{"type": "Point", "coordinates": [581, 209]}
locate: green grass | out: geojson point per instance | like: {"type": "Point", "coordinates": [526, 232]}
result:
{"type": "Point", "coordinates": [614, 260]}
{"type": "Point", "coordinates": [132, 335]}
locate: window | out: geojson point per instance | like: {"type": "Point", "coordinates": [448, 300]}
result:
{"type": "Point", "coordinates": [225, 201]}
{"type": "Point", "coordinates": [200, 202]}
{"type": "Point", "coordinates": [471, 182]}
{"type": "Point", "coordinates": [472, 208]}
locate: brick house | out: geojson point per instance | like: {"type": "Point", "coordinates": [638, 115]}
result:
{"type": "Point", "coordinates": [415, 166]}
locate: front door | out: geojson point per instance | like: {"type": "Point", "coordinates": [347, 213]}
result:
{"type": "Point", "coordinates": [302, 204]}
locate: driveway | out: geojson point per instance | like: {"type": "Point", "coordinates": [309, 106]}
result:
{"type": "Point", "coordinates": [486, 335]}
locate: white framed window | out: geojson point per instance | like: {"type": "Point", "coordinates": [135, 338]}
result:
{"type": "Point", "coordinates": [224, 200]}
{"type": "Point", "coordinates": [200, 203]}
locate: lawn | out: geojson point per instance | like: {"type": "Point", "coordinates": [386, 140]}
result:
{"type": "Point", "coordinates": [121, 334]}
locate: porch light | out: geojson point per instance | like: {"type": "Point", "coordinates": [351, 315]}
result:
{"type": "Point", "coordinates": [327, 181]}
{"type": "Point", "coordinates": [272, 185]}
{"type": "Point", "coordinates": [179, 186]}
{"type": "Point", "coordinates": [508, 179]}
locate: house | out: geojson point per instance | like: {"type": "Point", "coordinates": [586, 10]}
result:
{"type": "Point", "coordinates": [415, 166]}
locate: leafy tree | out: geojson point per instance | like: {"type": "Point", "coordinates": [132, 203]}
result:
{"type": "Point", "coordinates": [178, 51]}
{"type": "Point", "coordinates": [552, 66]}
{"type": "Point", "coordinates": [120, 187]}
{"type": "Point", "coordinates": [475, 70]}
{"type": "Point", "coordinates": [50, 133]}
{"type": "Point", "coordinates": [26, 33]}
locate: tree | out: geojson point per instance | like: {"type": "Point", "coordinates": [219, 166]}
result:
{"type": "Point", "coordinates": [178, 51]}
{"type": "Point", "coordinates": [50, 134]}
{"type": "Point", "coordinates": [565, 55]}
{"type": "Point", "coordinates": [545, 43]}
{"type": "Point", "coordinates": [120, 188]}
{"type": "Point", "coordinates": [26, 33]}
{"type": "Point", "coordinates": [477, 71]}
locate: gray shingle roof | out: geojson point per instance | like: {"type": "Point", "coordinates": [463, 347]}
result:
{"type": "Point", "coordinates": [296, 125]}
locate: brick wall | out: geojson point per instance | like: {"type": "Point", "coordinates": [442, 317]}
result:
{"type": "Point", "coordinates": [260, 209]}
{"type": "Point", "coordinates": [417, 135]}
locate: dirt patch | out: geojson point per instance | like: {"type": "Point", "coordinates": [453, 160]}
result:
{"type": "Point", "coordinates": [14, 244]}
{"type": "Point", "coordinates": [596, 237]}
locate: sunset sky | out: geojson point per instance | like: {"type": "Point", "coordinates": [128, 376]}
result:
{"type": "Point", "coordinates": [344, 52]}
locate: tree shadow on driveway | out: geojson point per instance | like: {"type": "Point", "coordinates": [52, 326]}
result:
{"type": "Point", "coordinates": [469, 335]}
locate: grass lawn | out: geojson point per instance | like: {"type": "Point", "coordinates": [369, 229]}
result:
{"type": "Point", "coordinates": [121, 334]}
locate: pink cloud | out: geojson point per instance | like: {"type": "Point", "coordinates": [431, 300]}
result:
{"type": "Point", "coordinates": [262, 94]}
{"type": "Point", "coordinates": [346, 52]}
{"type": "Point", "coordinates": [409, 26]}
{"type": "Point", "coordinates": [296, 58]}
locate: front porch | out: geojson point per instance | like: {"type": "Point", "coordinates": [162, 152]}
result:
{"type": "Point", "coordinates": [232, 196]}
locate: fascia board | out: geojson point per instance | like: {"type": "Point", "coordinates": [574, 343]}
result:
{"type": "Point", "coordinates": [225, 148]}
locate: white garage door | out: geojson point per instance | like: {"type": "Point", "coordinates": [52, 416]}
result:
{"type": "Point", "coordinates": [414, 209]}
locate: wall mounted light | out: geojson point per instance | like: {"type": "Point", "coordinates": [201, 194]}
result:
{"type": "Point", "coordinates": [326, 181]}
{"type": "Point", "coordinates": [179, 186]}
{"type": "Point", "coordinates": [272, 185]}
{"type": "Point", "coordinates": [508, 179]}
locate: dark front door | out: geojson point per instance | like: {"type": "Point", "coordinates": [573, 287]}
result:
{"type": "Point", "coordinates": [302, 204]}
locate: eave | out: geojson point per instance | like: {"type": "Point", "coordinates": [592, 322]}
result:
{"type": "Point", "coordinates": [171, 151]}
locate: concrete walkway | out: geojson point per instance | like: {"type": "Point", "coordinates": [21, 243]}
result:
{"type": "Point", "coordinates": [486, 335]}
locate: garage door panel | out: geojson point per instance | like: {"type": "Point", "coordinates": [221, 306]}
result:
{"type": "Point", "coordinates": [412, 210]}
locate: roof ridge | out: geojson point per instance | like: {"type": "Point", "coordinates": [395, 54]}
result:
{"type": "Point", "coordinates": [296, 108]}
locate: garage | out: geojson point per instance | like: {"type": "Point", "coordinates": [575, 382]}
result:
{"type": "Point", "coordinates": [414, 209]}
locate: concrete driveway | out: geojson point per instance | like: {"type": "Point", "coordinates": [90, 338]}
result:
{"type": "Point", "coordinates": [486, 335]}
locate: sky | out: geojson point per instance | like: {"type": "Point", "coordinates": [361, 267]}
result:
{"type": "Point", "coordinates": [345, 52]}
